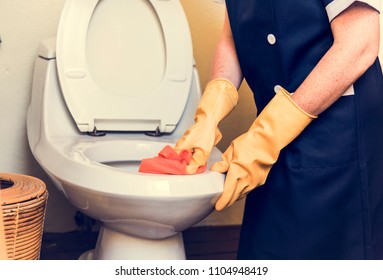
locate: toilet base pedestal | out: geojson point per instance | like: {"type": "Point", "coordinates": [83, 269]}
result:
{"type": "Point", "coordinates": [114, 245]}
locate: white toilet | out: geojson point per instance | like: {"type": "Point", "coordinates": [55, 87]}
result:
{"type": "Point", "coordinates": [116, 85]}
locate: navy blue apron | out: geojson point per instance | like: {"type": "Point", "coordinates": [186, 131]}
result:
{"type": "Point", "coordinates": [323, 199]}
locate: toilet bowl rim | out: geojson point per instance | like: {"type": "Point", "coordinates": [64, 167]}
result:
{"type": "Point", "coordinates": [94, 176]}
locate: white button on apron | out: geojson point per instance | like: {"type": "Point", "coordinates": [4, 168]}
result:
{"type": "Point", "coordinates": [271, 39]}
{"type": "Point", "coordinates": [277, 88]}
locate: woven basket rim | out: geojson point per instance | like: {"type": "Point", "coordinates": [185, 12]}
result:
{"type": "Point", "coordinates": [24, 188]}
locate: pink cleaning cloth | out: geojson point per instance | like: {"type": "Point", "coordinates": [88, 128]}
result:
{"type": "Point", "coordinates": [168, 162]}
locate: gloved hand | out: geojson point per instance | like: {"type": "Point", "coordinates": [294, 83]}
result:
{"type": "Point", "coordinates": [250, 157]}
{"type": "Point", "coordinates": [219, 99]}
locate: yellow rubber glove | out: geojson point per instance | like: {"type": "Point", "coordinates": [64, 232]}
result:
{"type": "Point", "coordinates": [250, 157]}
{"type": "Point", "coordinates": [218, 100]}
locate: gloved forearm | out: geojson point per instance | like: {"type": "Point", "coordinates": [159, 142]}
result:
{"type": "Point", "coordinates": [250, 157]}
{"type": "Point", "coordinates": [219, 99]}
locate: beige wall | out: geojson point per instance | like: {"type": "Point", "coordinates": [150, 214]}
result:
{"type": "Point", "coordinates": [23, 24]}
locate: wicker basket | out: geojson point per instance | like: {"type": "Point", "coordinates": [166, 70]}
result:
{"type": "Point", "coordinates": [23, 202]}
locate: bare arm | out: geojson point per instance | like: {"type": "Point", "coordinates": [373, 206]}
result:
{"type": "Point", "coordinates": [355, 48]}
{"type": "Point", "coordinates": [225, 62]}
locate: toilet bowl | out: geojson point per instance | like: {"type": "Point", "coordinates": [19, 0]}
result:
{"type": "Point", "coordinates": [96, 112]}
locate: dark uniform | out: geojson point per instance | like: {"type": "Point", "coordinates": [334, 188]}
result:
{"type": "Point", "coordinates": [323, 199]}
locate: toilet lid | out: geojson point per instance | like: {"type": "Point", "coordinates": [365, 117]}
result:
{"type": "Point", "coordinates": [124, 65]}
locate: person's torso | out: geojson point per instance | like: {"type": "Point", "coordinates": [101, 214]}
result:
{"type": "Point", "coordinates": [278, 42]}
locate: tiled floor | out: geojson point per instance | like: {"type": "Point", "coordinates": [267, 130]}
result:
{"type": "Point", "coordinates": [201, 243]}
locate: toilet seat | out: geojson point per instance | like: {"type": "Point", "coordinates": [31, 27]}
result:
{"type": "Point", "coordinates": [111, 164]}
{"type": "Point", "coordinates": [92, 61]}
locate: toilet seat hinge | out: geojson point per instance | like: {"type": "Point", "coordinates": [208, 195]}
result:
{"type": "Point", "coordinates": [96, 133]}
{"type": "Point", "coordinates": [156, 133]}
